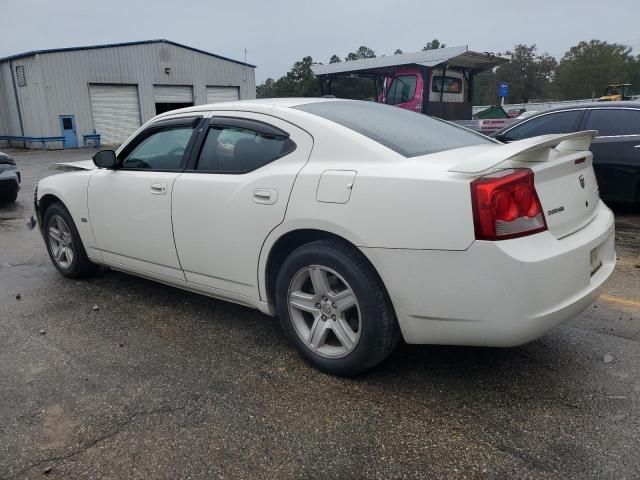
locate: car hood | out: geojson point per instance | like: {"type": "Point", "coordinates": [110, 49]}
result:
{"type": "Point", "coordinates": [73, 166]}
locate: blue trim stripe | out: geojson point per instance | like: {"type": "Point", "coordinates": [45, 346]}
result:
{"type": "Point", "coordinates": [125, 44]}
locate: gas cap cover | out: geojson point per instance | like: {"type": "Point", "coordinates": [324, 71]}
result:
{"type": "Point", "coordinates": [335, 186]}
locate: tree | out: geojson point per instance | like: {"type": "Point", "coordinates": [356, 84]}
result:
{"type": "Point", "coordinates": [398, 52]}
{"type": "Point", "coordinates": [485, 88]}
{"type": "Point", "coordinates": [588, 67]}
{"type": "Point", "coordinates": [362, 52]}
{"type": "Point", "coordinates": [335, 59]}
{"type": "Point", "coordinates": [298, 82]}
{"type": "Point", "coordinates": [267, 89]}
{"type": "Point", "coordinates": [528, 73]}
{"type": "Point", "coordinates": [433, 45]}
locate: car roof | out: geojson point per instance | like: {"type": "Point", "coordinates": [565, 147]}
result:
{"type": "Point", "coordinates": [591, 105]}
{"type": "Point", "coordinates": [571, 106]}
{"type": "Point", "coordinates": [261, 103]}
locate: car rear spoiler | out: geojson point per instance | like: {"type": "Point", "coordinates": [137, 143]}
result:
{"type": "Point", "coordinates": [535, 149]}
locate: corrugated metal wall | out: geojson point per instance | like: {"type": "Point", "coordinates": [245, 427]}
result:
{"type": "Point", "coordinates": [58, 82]}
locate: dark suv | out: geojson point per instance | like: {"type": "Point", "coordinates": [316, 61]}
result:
{"type": "Point", "coordinates": [9, 179]}
{"type": "Point", "coordinates": [616, 149]}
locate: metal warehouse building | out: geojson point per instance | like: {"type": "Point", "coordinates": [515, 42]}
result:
{"type": "Point", "coordinates": [110, 89]}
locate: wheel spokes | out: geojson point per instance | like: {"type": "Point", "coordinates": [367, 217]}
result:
{"type": "Point", "coordinates": [303, 301]}
{"type": "Point", "coordinates": [60, 242]}
{"type": "Point", "coordinates": [324, 311]}
{"type": "Point", "coordinates": [318, 332]}
{"type": "Point", "coordinates": [345, 335]}
{"type": "Point", "coordinates": [319, 281]}
{"type": "Point", "coordinates": [344, 300]}
{"type": "Point", "coordinates": [55, 234]}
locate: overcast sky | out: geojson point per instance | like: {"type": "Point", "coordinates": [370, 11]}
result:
{"type": "Point", "coordinates": [276, 33]}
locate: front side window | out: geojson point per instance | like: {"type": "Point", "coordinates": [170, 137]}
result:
{"type": "Point", "coordinates": [234, 149]}
{"type": "Point", "coordinates": [610, 122]}
{"type": "Point", "coordinates": [559, 122]}
{"type": "Point", "coordinates": [451, 84]}
{"type": "Point", "coordinates": [161, 150]}
{"type": "Point", "coordinates": [402, 89]}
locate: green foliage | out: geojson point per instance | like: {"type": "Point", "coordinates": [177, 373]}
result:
{"type": "Point", "coordinates": [485, 89]}
{"type": "Point", "coordinates": [528, 73]}
{"type": "Point", "coordinates": [433, 45]}
{"type": "Point", "coordinates": [335, 59]}
{"type": "Point", "coordinates": [362, 52]}
{"type": "Point", "coordinates": [298, 82]}
{"type": "Point", "coordinates": [587, 68]}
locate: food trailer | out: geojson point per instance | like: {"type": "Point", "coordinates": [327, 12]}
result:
{"type": "Point", "coordinates": [434, 82]}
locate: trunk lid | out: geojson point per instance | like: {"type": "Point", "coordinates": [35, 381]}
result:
{"type": "Point", "coordinates": [563, 175]}
{"type": "Point", "coordinates": [568, 191]}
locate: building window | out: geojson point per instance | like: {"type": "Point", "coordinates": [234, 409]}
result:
{"type": "Point", "coordinates": [22, 81]}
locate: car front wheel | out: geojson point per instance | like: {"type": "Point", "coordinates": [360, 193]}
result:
{"type": "Point", "coordinates": [64, 244]}
{"type": "Point", "coordinates": [334, 308]}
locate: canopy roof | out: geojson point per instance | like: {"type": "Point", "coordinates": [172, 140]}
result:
{"type": "Point", "coordinates": [452, 56]}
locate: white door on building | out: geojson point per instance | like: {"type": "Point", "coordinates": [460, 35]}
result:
{"type": "Point", "coordinates": [116, 112]}
{"type": "Point", "coordinates": [172, 97]}
{"type": "Point", "coordinates": [173, 94]}
{"type": "Point", "coordinates": [222, 94]}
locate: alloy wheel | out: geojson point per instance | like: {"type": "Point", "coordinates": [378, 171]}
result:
{"type": "Point", "coordinates": [324, 311]}
{"type": "Point", "coordinates": [60, 242]}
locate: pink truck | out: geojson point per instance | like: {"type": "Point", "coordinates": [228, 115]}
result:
{"type": "Point", "coordinates": [434, 82]}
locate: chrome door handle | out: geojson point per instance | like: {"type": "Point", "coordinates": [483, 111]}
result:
{"type": "Point", "coordinates": [267, 196]}
{"type": "Point", "coordinates": [637, 146]}
{"type": "Point", "coordinates": [158, 188]}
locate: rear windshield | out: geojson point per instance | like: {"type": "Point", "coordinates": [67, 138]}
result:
{"type": "Point", "coordinates": [408, 133]}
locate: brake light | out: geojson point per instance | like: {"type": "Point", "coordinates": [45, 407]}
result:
{"type": "Point", "coordinates": [506, 205]}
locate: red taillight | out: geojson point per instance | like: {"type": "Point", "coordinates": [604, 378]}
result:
{"type": "Point", "coordinates": [506, 205]}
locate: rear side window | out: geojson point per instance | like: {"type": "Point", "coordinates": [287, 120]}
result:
{"type": "Point", "coordinates": [559, 122]}
{"type": "Point", "coordinates": [408, 133]}
{"type": "Point", "coordinates": [451, 84]}
{"type": "Point", "coordinates": [610, 122]}
{"type": "Point", "coordinates": [402, 89]}
{"type": "Point", "coordinates": [233, 149]}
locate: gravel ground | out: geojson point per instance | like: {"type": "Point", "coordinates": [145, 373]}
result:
{"type": "Point", "coordinates": [159, 383]}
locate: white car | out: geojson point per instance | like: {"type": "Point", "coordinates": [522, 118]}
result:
{"type": "Point", "coordinates": [355, 222]}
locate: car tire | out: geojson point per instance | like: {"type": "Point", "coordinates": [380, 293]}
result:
{"type": "Point", "coordinates": [345, 328]}
{"type": "Point", "coordinates": [63, 243]}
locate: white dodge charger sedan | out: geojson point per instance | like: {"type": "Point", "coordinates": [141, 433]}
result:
{"type": "Point", "coordinates": [355, 222]}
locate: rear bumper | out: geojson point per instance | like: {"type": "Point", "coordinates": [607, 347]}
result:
{"type": "Point", "coordinates": [502, 293]}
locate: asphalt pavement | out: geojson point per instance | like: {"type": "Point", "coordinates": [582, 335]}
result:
{"type": "Point", "coordinates": [120, 377]}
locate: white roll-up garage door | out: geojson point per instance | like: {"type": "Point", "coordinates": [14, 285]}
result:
{"type": "Point", "coordinates": [222, 94]}
{"type": "Point", "coordinates": [172, 94]}
{"type": "Point", "coordinates": [115, 110]}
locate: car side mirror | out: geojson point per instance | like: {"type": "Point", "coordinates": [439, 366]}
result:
{"type": "Point", "coordinates": [501, 137]}
{"type": "Point", "coordinates": [105, 159]}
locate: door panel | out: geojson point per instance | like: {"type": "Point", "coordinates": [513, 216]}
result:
{"type": "Point", "coordinates": [616, 151]}
{"type": "Point", "coordinates": [130, 207]}
{"type": "Point", "coordinates": [130, 215]}
{"type": "Point", "coordinates": [616, 161]}
{"type": "Point", "coordinates": [221, 220]}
